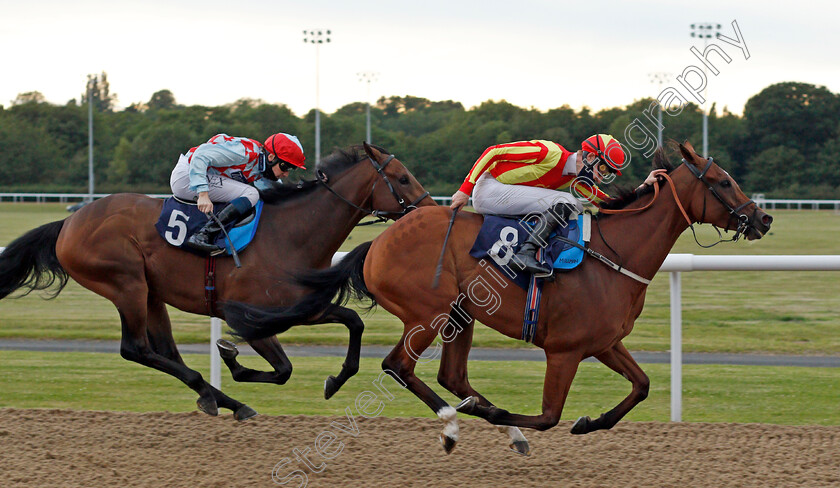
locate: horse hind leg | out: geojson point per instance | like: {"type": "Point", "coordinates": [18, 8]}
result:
{"type": "Point", "coordinates": [159, 333]}
{"type": "Point", "coordinates": [135, 347]}
{"type": "Point", "coordinates": [618, 359]}
{"type": "Point", "coordinates": [400, 364]}
{"type": "Point", "coordinates": [452, 375]}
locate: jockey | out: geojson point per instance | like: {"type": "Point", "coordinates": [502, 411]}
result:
{"type": "Point", "coordinates": [521, 178]}
{"type": "Point", "coordinates": [221, 169]}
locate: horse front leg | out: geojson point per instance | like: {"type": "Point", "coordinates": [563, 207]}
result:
{"type": "Point", "coordinates": [270, 350]}
{"type": "Point", "coordinates": [350, 367]}
{"type": "Point", "coordinates": [618, 359]}
{"type": "Point", "coordinates": [560, 371]}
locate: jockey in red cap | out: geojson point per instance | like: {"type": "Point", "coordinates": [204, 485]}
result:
{"type": "Point", "coordinates": [222, 169]}
{"type": "Point", "coordinates": [521, 178]}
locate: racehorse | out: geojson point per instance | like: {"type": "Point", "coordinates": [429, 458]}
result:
{"type": "Point", "coordinates": [111, 247]}
{"type": "Point", "coordinates": [585, 312]}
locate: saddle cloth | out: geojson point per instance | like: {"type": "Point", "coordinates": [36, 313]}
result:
{"type": "Point", "coordinates": [179, 220]}
{"type": "Point", "coordinates": [501, 237]}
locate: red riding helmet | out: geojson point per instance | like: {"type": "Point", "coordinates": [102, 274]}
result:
{"type": "Point", "coordinates": [607, 148]}
{"type": "Point", "coordinates": [286, 147]}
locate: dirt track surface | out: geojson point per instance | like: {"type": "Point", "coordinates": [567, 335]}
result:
{"type": "Point", "coordinates": [79, 448]}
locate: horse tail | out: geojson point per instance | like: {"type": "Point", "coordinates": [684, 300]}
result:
{"type": "Point", "coordinates": [30, 262]}
{"type": "Point", "coordinates": [332, 286]}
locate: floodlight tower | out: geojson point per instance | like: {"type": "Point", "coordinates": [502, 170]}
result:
{"type": "Point", "coordinates": [367, 77]}
{"type": "Point", "coordinates": [317, 37]}
{"type": "Point", "coordinates": [705, 31]}
{"type": "Point", "coordinates": [659, 78]}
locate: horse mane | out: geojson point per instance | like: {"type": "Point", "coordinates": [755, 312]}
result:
{"type": "Point", "coordinates": [339, 161]}
{"type": "Point", "coordinates": [625, 196]}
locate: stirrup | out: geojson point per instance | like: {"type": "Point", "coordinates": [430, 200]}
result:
{"type": "Point", "coordinates": [204, 246]}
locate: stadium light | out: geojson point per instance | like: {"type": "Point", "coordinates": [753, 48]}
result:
{"type": "Point", "coordinates": [705, 31]}
{"type": "Point", "coordinates": [659, 78]}
{"type": "Point", "coordinates": [317, 37]}
{"type": "Point", "coordinates": [367, 77]}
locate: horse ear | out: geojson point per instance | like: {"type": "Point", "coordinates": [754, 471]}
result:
{"type": "Point", "coordinates": [687, 151]}
{"type": "Point", "coordinates": [370, 151]}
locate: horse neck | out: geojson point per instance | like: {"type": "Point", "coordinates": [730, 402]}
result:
{"type": "Point", "coordinates": [322, 220]}
{"type": "Point", "coordinates": [644, 239]}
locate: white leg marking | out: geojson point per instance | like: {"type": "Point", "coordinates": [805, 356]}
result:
{"type": "Point", "coordinates": [450, 418]}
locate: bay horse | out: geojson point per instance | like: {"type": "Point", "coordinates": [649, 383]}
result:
{"type": "Point", "coordinates": [585, 312]}
{"type": "Point", "coordinates": [111, 247]}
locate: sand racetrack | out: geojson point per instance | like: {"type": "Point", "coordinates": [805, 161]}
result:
{"type": "Point", "coordinates": [97, 449]}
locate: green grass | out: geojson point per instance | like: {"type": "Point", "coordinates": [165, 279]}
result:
{"type": "Point", "coordinates": [773, 312]}
{"type": "Point", "coordinates": [780, 395]}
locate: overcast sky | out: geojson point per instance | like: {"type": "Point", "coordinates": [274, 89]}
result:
{"type": "Point", "coordinates": [532, 53]}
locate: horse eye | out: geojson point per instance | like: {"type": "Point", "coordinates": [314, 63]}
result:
{"type": "Point", "coordinates": [725, 183]}
{"type": "Point", "coordinates": [403, 180]}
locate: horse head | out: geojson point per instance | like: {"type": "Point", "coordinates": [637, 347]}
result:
{"type": "Point", "coordinates": [397, 192]}
{"type": "Point", "coordinates": [719, 200]}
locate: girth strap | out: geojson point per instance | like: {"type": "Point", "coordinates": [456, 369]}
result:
{"type": "Point", "coordinates": [210, 286]}
{"type": "Point", "coordinates": [532, 304]}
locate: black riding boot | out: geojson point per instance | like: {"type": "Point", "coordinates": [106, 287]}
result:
{"type": "Point", "coordinates": [526, 258]}
{"type": "Point", "coordinates": [204, 240]}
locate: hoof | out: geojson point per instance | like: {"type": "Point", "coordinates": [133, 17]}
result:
{"type": "Point", "coordinates": [227, 349]}
{"type": "Point", "coordinates": [467, 405]}
{"type": "Point", "coordinates": [448, 443]}
{"type": "Point", "coordinates": [208, 406]}
{"type": "Point", "coordinates": [244, 413]}
{"type": "Point", "coordinates": [581, 426]}
{"type": "Point", "coordinates": [521, 447]}
{"type": "Point", "coordinates": [331, 385]}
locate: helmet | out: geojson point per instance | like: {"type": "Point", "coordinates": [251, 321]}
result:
{"type": "Point", "coordinates": [607, 148]}
{"type": "Point", "coordinates": [286, 147]}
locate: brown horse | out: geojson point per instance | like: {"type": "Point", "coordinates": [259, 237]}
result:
{"type": "Point", "coordinates": [586, 312]}
{"type": "Point", "coordinates": [112, 248]}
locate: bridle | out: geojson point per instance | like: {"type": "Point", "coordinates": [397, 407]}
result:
{"type": "Point", "coordinates": [744, 222]}
{"type": "Point", "coordinates": [381, 215]}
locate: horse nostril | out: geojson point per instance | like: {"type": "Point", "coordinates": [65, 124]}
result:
{"type": "Point", "coordinates": [766, 220]}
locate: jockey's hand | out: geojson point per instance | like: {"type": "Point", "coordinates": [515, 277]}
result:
{"type": "Point", "coordinates": [459, 199]}
{"type": "Point", "coordinates": [204, 203]}
{"type": "Point", "coordinates": [654, 176]}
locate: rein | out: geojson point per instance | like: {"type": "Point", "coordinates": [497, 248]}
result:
{"type": "Point", "coordinates": [379, 214]}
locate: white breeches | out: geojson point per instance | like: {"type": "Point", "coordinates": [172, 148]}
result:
{"type": "Point", "coordinates": [222, 188]}
{"type": "Point", "coordinates": [492, 197]}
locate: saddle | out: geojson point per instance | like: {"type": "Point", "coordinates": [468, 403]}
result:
{"type": "Point", "coordinates": [501, 236]}
{"type": "Point", "coordinates": [180, 219]}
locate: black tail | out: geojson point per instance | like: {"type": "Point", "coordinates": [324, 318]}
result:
{"type": "Point", "coordinates": [30, 262]}
{"type": "Point", "coordinates": [336, 285]}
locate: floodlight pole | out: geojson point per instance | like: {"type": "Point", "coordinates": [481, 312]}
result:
{"type": "Point", "coordinates": [90, 137]}
{"type": "Point", "coordinates": [659, 78]}
{"type": "Point", "coordinates": [705, 30]}
{"type": "Point", "coordinates": [367, 77]}
{"type": "Point", "coordinates": [317, 37]}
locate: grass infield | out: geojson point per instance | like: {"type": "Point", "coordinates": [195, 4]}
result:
{"type": "Point", "coordinates": [750, 312]}
{"type": "Point", "coordinates": [92, 381]}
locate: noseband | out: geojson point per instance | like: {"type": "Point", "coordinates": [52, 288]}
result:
{"type": "Point", "coordinates": [381, 215]}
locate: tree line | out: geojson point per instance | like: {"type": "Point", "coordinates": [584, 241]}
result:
{"type": "Point", "coordinates": [785, 145]}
